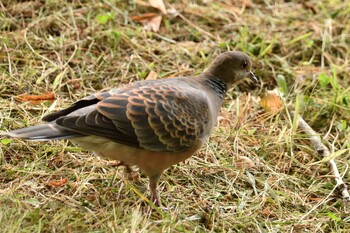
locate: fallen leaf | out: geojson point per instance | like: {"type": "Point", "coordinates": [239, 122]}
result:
{"type": "Point", "coordinates": [266, 211]}
{"type": "Point", "coordinates": [271, 103]}
{"type": "Point", "coordinates": [159, 4]}
{"type": "Point", "coordinates": [36, 99]}
{"type": "Point", "coordinates": [143, 17]}
{"type": "Point", "coordinates": [57, 183]}
{"type": "Point", "coordinates": [154, 23]}
{"type": "Point", "coordinates": [243, 162]}
{"type": "Point", "coordinates": [151, 21]}
{"type": "Point", "coordinates": [75, 84]}
{"type": "Point", "coordinates": [152, 75]}
{"type": "Point", "coordinates": [318, 199]}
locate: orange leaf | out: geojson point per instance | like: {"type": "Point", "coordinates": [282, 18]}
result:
{"type": "Point", "coordinates": [271, 103]}
{"type": "Point", "coordinates": [159, 4]}
{"type": "Point", "coordinates": [151, 21]}
{"type": "Point", "coordinates": [57, 183]}
{"type": "Point", "coordinates": [143, 17]}
{"type": "Point", "coordinates": [318, 199]}
{"type": "Point", "coordinates": [152, 75]}
{"type": "Point", "coordinates": [36, 99]}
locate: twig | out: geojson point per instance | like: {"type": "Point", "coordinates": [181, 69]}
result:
{"type": "Point", "coordinates": [324, 151]}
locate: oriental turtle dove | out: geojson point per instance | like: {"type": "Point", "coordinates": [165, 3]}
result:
{"type": "Point", "coordinates": [152, 124]}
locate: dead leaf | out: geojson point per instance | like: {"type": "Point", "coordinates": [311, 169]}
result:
{"type": "Point", "coordinates": [57, 183]}
{"type": "Point", "coordinates": [75, 84]}
{"type": "Point", "coordinates": [271, 103]}
{"type": "Point", "coordinates": [150, 21]}
{"type": "Point", "coordinates": [36, 99]}
{"type": "Point", "coordinates": [266, 211]}
{"type": "Point", "coordinates": [143, 17]}
{"type": "Point", "coordinates": [152, 75]}
{"type": "Point", "coordinates": [159, 4]}
{"type": "Point", "coordinates": [317, 199]}
{"type": "Point", "coordinates": [243, 162]}
{"type": "Point", "coordinates": [154, 23]}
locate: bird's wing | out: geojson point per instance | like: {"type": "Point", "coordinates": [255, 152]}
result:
{"type": "Point", "coordinates": [157, 117]}
{"type": "Point", "coordinates": [91, 100]}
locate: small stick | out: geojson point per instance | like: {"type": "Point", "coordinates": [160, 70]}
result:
{"type": "Point", "coordinates": [324, 151]}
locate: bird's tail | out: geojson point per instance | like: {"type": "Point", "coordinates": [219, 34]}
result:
{"type": "Point", "coordinates": [44, 132]}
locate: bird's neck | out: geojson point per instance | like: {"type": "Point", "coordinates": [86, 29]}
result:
{"type": "Point", "coordinates": [218, 86]}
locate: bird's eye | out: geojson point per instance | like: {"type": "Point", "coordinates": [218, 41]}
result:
{"type": "Point", "coordinates": [244, 65]}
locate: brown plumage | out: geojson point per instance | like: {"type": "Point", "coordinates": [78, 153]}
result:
{"type": "Point", "coordinates": [151, 124]}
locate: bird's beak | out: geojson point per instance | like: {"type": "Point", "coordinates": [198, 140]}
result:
{"type": "Point", "coordinates": [253, 77]}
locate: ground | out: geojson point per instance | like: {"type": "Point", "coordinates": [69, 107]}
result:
{"type": "Point", "coordinates": [73, 48]}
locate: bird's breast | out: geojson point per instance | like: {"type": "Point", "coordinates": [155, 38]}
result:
{"type": "Point", "coordinates": [150, 162]}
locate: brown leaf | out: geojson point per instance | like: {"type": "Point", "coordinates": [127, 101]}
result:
{"type": "Point", "coordinates": [151, 21]}
{"type": "Point", "coordinates": [57, 183]}
{"type": "Point", "coordinates": [317, 199]}
{"type": "Point", "coordinates": [243, 162]}
{"type": "Point", "coordinates": [36, 99]}
{"type": "Point", "coordinates": [159, 4]}
{"type": "Point", "coordinates": [75, 84]}
{"type": "Point", "coordinates": [154, 23]}
{"type": "Point", "coordinates": [266, 211]}
{"type": "Point", "coordinates": [152, 75]}
{"type": "Point", "coordinates": [271, 103]}
{"type": "Point", "coordinates": [143, 17]}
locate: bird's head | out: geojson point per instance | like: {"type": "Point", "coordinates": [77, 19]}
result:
{"type": "Point", "coordinates": [231, 67]}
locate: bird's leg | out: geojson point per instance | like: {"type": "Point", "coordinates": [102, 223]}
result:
{"type": "Point", "coordinates": [128, 169]}
{"type": "Point", "coordinates": [131, 174]}
{"type": "Point", "coordinates": [153, 183]}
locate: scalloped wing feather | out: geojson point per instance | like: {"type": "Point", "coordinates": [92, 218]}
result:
{"type": "Point", "coordinates": [156, 117]}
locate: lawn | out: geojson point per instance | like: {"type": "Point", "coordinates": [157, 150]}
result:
{"type": "Point", "coordinates": [257, 172]}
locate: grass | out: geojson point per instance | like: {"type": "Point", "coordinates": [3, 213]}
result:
{"type": "Point", "coordinates": [74, 48]}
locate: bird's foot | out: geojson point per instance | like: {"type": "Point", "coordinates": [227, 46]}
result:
{"type": "Point", "coordinates": [131, 174]}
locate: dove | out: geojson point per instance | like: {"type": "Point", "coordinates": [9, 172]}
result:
{"type": "Point", "coordinates": [151, 124]}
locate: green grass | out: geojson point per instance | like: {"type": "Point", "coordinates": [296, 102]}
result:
{"type": "Point", "coordinates": [74, 48]}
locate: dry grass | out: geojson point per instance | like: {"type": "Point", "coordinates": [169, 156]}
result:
{"type": "Point", "coordinates": [61, 47]}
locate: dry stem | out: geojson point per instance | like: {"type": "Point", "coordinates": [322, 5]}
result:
{"type": "Point", "coordinates": [324, 151]}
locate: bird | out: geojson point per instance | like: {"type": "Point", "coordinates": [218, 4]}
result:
{"type": "Point", "coordinates": [151, 124]}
